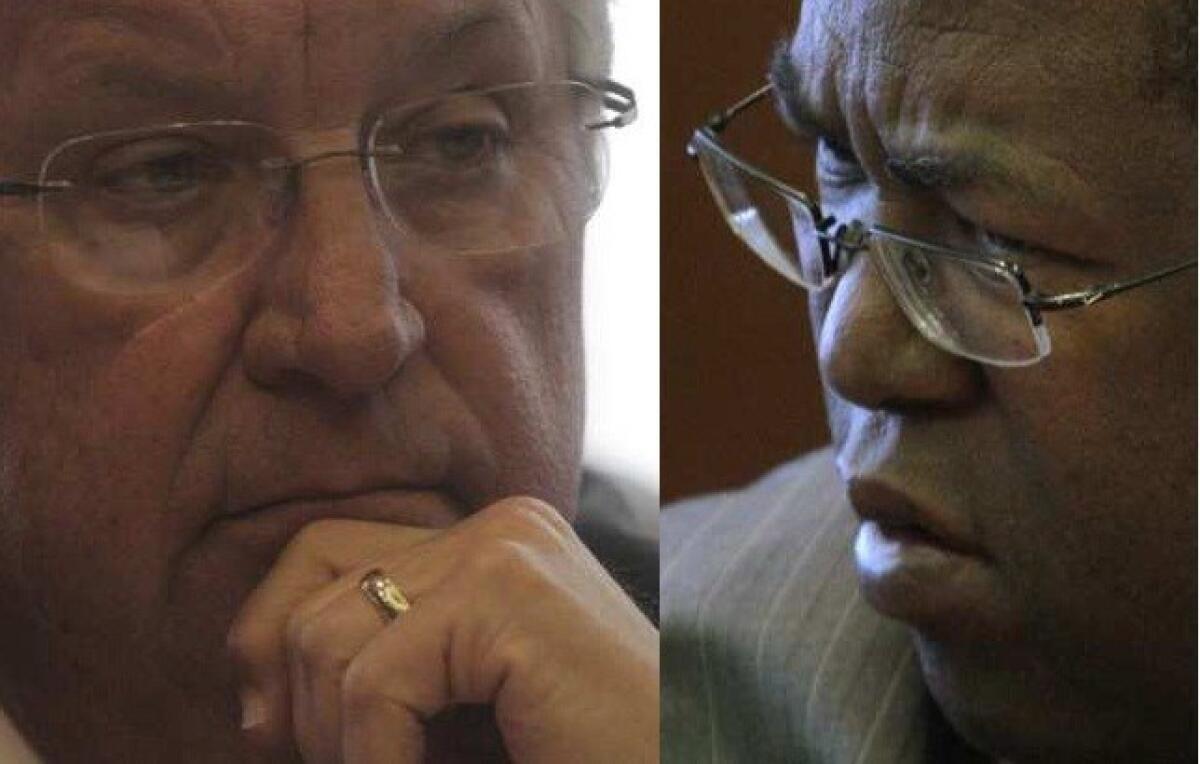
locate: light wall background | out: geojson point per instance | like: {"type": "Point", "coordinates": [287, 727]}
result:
{"type": "Point", "coordinates": [621, 274]}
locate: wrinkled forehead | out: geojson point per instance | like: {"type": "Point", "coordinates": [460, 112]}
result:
{"type": "Point", "coordinates": [315, 61]}
{"type": "Point", "coordinates": [938, 45]}
{"type": "Point", "coordinates": [1060, 83]}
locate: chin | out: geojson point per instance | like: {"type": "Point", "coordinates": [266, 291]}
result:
{"type": "Point", "coordinates": [1013, 707]}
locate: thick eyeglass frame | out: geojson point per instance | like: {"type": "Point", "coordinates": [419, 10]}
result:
{"type": "Point", "coordinates": [840, 242]}
{"type": "Point", "coordinates": [617, 98]}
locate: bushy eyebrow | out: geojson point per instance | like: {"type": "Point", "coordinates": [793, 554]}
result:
{"type": "Point", "coordinates": [151, 82]}
{"type": "Point", "coordinates": [987, 162]}
{"type": "Point", "coordinates": [933, 172]}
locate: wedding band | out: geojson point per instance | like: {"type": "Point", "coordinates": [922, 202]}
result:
{"type": "Point", "coordinates": [381, 591]}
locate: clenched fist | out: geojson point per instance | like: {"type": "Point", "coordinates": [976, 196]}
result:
{"type": "Point", "coordinates": [508, 609]}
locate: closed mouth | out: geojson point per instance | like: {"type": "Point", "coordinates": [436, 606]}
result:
{"type": "Point", "coordinates": [903, 520]}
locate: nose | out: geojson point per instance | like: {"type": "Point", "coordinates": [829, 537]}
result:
{"type": "Point", "coordinates": [871, 355]}
{"type": "Point", "coordinates": [331, 312]}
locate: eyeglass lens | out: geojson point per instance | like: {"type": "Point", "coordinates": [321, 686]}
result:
{"type": "Point", "coordinates": [489, 171]}
{"type": "Point", "coordinates": [970, 308]}
{"type": "Point", "coordinates": [774, 226]}
{"type": "Point", "coordinates": [973, 309]}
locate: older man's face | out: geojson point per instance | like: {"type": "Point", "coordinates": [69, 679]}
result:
{"type": "Point", "coordinates": [1069, 625]}
{"type": "Point", "coordinates": [346, 369]}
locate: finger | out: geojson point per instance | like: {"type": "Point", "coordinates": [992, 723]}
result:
{"type": "Point", "coordinates": [257, 641]}
{"type": "Point", "coordinates": [450, 648]}
{"type": "Point", "coordinates": [506, 626]}
{"type": "Point", "coordinates": [394, 684]}
{"type": "Point", "coordinates": [321, 641]}
{"type": "Point", "coordinates": [323, 635]}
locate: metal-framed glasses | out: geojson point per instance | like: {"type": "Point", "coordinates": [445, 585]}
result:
{"type": "Point", "coordinates": [469, 172]}
{"type": "Point", "coordinates": [973, 305]}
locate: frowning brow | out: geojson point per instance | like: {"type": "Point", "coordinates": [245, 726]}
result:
{"type": "Point", "coordinates": [958, 156]}
{"type": "Point", "coordinates": [149, 82]}
{"type": "Point", "coordinates": [969, 160]}
{"type": "Point", "coordinates": [925, 171]}
{"type": "Point", "coordinates": [139, 69]}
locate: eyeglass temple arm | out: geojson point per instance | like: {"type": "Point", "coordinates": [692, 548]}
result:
{"type": "Point", "coordinates": [1096, 294]}
{"type": "Point", "coordinates": [29, 190]}
{"type": "Point", "coordinates": [620, 99]}
{"type": "Point", "coordinates": [718, 121]}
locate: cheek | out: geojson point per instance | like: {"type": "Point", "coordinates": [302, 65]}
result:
{"type": "Point", "coordinates": [508, 338]}
{"type": "Point", "coordinates": [1104, 437]}
{"type": "Point", "coordinates": [1110, 414]}
{"type": "Point", "coordinates": [96, 413]}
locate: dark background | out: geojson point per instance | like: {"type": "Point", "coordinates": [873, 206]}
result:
{"type": "Point", "coordinates": [739, 382]}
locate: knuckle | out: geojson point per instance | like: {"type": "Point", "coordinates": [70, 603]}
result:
{"type": "Point", "coordinates": [312, 640]}
{"type": "Point", "coordinates": [526, 516]}
{"type": "Point", "coordinates": [315, 535]}
{"type": "Point", "coordinates": [536, 509]}
{"type": "Point", "coordinates": [244, 643]}
{"type": "Point", "coordinates": [521, 656]}
{"type": "Point", "coordinates": [498, 555]}
{"type": "Point", "coordinates": [362, 688]}
{"type": "Point", "coordinates": [505, 562]}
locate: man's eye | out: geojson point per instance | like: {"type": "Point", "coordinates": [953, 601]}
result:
{"type": "Point", "coordinates": [464, 146]}
{"type": "Point", "coordinates": [155, 172]}
{"type": "Point", "coordinates": [999, 245]}
{"type": "Point", "coordinates": [455, 136]}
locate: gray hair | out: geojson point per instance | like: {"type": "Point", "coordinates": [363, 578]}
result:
{"type": "Point", "coordinates": [589, 36]}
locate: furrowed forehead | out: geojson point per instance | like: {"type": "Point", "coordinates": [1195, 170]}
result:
{"type": "Point", "coordinates": [900, 37]}
{"type": "Point", "coordinates": [222, 56]}
{"type": "Point", "coordinates": [212, 28]}
{"type": "Point", "coordinates": [1042, 96]}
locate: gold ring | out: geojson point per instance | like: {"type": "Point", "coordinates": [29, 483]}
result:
{"type": "Point", "coordinates": [381, 591]}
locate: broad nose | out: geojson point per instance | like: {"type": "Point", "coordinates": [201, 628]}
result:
{"type": "Point", "coordinates": [872, 356]}
{"type": "Point", "coordinates": [332, 312]}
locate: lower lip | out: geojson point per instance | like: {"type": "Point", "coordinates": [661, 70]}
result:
{"type": "Point", "coordinates": [908, 575]}
{"type": "Point", "coordinates": [262, 533]}
{"type": "Point", "coordinates": [234, 553]}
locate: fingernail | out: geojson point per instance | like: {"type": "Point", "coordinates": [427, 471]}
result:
{"type": "Point", "coordinates": [254, 709]}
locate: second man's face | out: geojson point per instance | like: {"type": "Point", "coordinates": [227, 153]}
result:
{"type": "Point", "coordinates": [1070, 483]}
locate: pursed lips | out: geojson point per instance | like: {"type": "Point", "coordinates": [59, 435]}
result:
{"type": "Point", "coordinates": [409, 504]}
{"type": "Point", "coordinates": [876, 500]}
{"type": "Point", "coordinates": [262, 530]}
{"type": "Point", "coordinates": [920, 563]}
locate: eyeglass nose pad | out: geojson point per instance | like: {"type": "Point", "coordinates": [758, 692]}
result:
{"type": "Point", "coordinates": [838, 249]}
